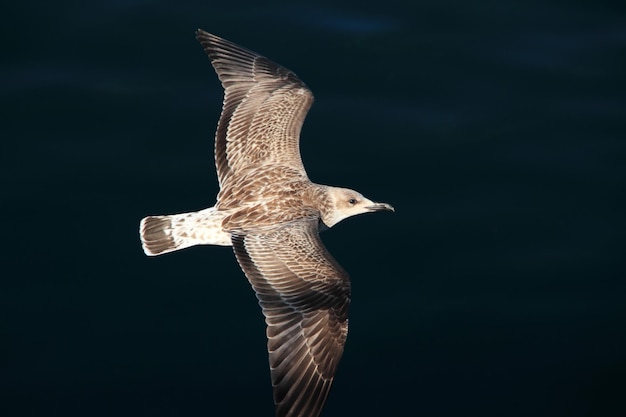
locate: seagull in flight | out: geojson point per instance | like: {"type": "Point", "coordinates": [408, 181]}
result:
{"type": "Point", "coordinates": [269, 211]}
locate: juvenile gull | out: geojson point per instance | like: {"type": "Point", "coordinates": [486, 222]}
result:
{"type": "Point", "coordinates": [269, 211]}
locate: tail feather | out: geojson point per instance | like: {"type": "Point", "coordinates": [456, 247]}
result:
{"type": "Point", "coordinates": [156, 235]}
{"type": "Point", "coordinates": [163, 234]}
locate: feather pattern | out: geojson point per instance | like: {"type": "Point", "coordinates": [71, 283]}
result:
{"type": "Point", "coordinates": [264, 108]}
{"type": "Point", "coordinates": [305, 295]}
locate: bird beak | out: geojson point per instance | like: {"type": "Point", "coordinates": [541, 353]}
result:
{"type": "Point", "coordinates": [380, 207]}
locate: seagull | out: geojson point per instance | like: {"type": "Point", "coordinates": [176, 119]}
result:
{"type": "Point", "coordinates": [269, 211]}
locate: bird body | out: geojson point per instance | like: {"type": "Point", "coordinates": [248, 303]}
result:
{"type": "Point", "coordinates": [269, 211]}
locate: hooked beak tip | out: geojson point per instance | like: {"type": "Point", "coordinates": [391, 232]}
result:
{"type": "Point", "coordinates": [381, 207]}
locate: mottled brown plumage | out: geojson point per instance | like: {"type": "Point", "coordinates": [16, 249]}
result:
{"type": "Point", "coordinates": [264, 108]}
{"type": "Point", "coordinates": [270, 212]}
{"type": "Point", "coordinates": [305, 295]}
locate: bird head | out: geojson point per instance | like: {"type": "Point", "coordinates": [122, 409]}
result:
{"type": "Point", "coordinates": [346, 203]}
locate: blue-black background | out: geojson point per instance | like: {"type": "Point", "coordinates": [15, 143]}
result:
{"type": "Point", "coordinates": [496, 129]}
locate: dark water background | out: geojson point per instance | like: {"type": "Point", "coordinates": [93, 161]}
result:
{"type": "Point", "coordinates": [496, 129]}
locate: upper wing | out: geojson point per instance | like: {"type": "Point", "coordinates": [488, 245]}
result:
{"type": "Point", "coordinates": [305, 295]}
{"type": "Point", "coordinates": [263, 110]}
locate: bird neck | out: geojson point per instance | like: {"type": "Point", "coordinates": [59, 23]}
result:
{"type": "Point", "coordinates": [320, 197]}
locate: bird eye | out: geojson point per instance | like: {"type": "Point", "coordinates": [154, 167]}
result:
{"type": "Point", "coordinates": [352, 201]}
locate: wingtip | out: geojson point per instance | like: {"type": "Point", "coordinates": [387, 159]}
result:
{"type": "Point", "coordinates": [201, 34]}
{"type": "Point", "coordinates": [210, 41]}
